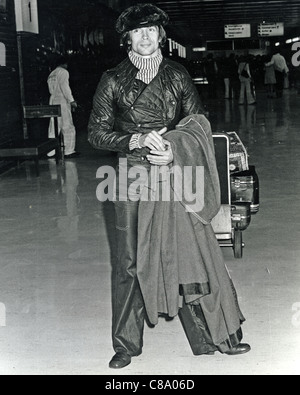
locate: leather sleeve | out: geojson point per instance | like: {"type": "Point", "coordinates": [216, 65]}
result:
{"type": "Point", "coordinates": [191, 102]}
{"type": "Point", "coordinates": [101, 133]}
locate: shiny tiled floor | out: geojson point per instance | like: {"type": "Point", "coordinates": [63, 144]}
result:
{"type": "Point", "coordinates": [55, 260]}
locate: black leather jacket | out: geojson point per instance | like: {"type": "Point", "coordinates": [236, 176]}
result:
{"type": "Point", "coordinates": [124, 106]}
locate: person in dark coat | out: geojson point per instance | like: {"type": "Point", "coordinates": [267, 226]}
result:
{"type": "Point", "coordinates": [211, 72]}
{"type": "Point", "coordinates": [231, 77]}
{"type": "Point", "coordinates": [135, 104]}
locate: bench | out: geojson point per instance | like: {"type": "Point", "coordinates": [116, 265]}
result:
{"type": "Point", "coordinates": [35, 148]}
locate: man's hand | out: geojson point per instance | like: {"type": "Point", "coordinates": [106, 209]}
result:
{"type": "Point", "coordinates": [74, 106]}
{"type": "Point", "coordinates": [154, 141]}
{"type": "Point", "coordinates": [161, 158]}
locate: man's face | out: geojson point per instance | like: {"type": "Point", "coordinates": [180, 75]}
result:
{"type": "Point", "coordinates": [145, 41]}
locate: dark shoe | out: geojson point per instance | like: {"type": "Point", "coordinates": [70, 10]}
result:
{"type": "Point", "coordinates": [120, 361]}
{"type": "Point", "coordinates": [239, 350]}
{"type": "Point", "coordinates": [72, 156]}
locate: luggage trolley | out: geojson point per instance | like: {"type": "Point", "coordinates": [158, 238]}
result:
{"type": "Point", "coordinates": [238, 200]}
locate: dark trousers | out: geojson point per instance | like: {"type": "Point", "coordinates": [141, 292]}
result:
{"type": "Point", "coordinates": [128, 306]}
{"type": "Point", "coordinates": [127, 301]}
{"type": "Point", "coordinates": [280, 83]}
{"type": "Point", "coordinates": [212, 86]}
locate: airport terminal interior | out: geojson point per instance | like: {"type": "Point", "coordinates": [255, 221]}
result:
{"type": "Point", "coordinates": [57, 239]}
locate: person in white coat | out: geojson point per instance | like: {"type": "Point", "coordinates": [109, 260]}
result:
{"type": "Point", "coordinates": [61, 94]}
{"type": "Point", "coordinates": [281, 71]}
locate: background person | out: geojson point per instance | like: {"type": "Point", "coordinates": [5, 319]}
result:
{"type": "Point", "coordinates": [270, 78]}
{"type": "Point", "coordinates": [281, 70]}
{"type": "Point", "coordinates": [211, 72]}
{"type": "Point", "coordinates": [61, 94]}
{"type": "Point", "coordinates": [245, 79]}
{"type": "Point", "coordinates": [231, 77]}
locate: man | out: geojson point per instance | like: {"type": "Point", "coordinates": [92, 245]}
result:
{"type": "Point", "coordinates": [281, 70]}
{"type": "Point", "coordinates": [246, 91]}
{"type": "Point", "coordinates": [61, 94]}
{"type": "Point", "coordinates": [134, 106]}
{"type": "Point", "coordinates": [211, 72]}
{"type": "Point", "coordinates": [231, 77]}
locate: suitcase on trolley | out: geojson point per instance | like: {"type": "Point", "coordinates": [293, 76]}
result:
{"type": "Point", "coordinates": [245, 188]}
{"type": "Point", "coordinates": [241, 215]}
{"type": "Point", "coordinates": [234, 217]}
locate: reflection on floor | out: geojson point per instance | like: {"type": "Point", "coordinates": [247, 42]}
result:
{"type": "Point", "coordinates": [55, 252]}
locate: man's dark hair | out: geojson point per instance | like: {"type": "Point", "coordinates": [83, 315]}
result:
{"type": "Point", "coordinates": [60, 60]}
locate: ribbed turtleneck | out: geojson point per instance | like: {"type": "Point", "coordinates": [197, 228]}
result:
{"type": "Point", "coordinates": [148, 67]}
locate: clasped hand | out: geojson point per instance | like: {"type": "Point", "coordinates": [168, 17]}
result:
{"type": "Point", "coordinates": [161, 153]}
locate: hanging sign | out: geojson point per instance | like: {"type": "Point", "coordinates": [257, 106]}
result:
{"type": "Point", "coordinates": [27, 16]}
{"type": "Point", "coordinates": [238, 31]}
{"type": "Point", "coordinates": [271, 29]}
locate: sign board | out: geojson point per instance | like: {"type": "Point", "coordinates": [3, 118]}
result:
{"type": "Point", "coordinates": [2, 55]}
{"type": "Point", "coordinates": [271, 29]}
{"type": "Point", "coordinates": [27, 16]}
{"type": "Point", "coordinates": [238, 31]}
{"type": "Point", "coordinates": [199, 49]}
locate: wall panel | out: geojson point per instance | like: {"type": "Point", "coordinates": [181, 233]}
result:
{"type": "Point", "coordinates": [10, 107]}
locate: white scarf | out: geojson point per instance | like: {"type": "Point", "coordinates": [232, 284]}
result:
{"type": "Point", "coordinates": [148, 67]}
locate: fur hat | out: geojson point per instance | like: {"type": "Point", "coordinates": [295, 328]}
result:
{"type": "Point", "coordinates": [141, 15]}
